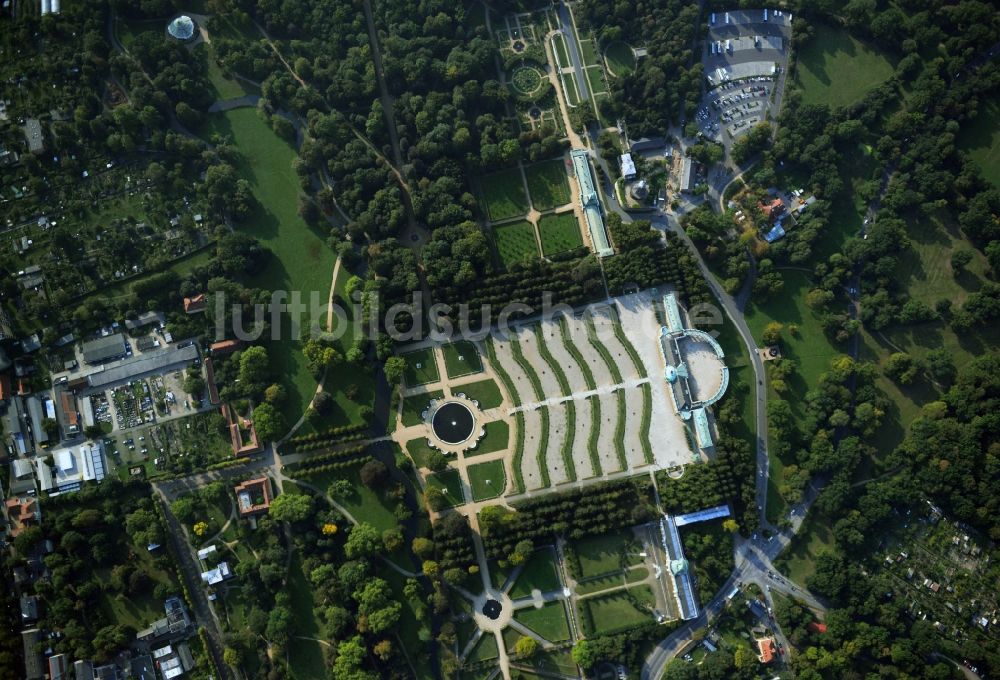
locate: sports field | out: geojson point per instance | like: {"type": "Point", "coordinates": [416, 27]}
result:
{"type": "Point", "coordinates": [836, 69]}
{"type": "Point", "coordinates": [504, 194]}
{"type": "Point", "coordinates": [559, 233]}
{"type": "Point", "coordinates": [547, 184]}
{"type": "Point", "coordinates": [980, 138]}
{"type": "Point", "coordinates": [515, 242]}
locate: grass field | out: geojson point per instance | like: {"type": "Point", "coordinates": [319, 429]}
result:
{"type": "Point", "coordinates": [504, 194]}
{"type": "Point", "coordinates": [601, 554]}
{"type": "Point", "coordinates": [561, 54]}
{"type": "Point", "coordinates": [450, 484]}
{"type": "Point", "coordinates": [572, 92]}
{"type": "Point", "coordinates": [810, 349]}
{"type": "Point", "coordinates": [559, 233]}
{"type": "Point", "coordinates": [300, 260]}
{"type": "Point", "coordinates": [496, 438]}
{"type": "Point", "coordinates": [419, 451]}
{"type": "Point", "coordinates": [588, 50]}
{"type": "Point", "coordinates": [547, 184]}
{"type": "Point", "coordinates": [621, 578]}
{"type": "Point", "coordinates": [614, 612]}
{"type": "Point", "coordinates": [305, 657]}
{"type": "Point", "coordinates": [620, 59]}
{"type": "Point", "coordinates": [485, 392]}
{"type": "Point", "coordinates": [461, 358]}
{"type": "Point", "coordinates": [484, 650]}
{"type": "Point", "coordinates": [815, 536]}
{"type": "Point", "coordinates": [595, 79]}
{"type": "Point", "coordinates": [488, 480]}
{"type": "Point", "coordinates": [421, 367]}
{"type": "Point", "coordinates": [549, 621]}
{"type": "Point", "coordinates": [516, 242]}
{"type": "Point", "coordinates": [414, 405]}
{"type": "Point", "coordinates": [836, 69]}
{"type": "Point", "coordinates": [538, 573]}
{"type": "Point", "coordinates": [980, 138]}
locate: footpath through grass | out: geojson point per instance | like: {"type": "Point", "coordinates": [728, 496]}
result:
{"type": "Point", "coordinates": [836, 69]}
{"type": "Point", "coordinates": [299, 261]}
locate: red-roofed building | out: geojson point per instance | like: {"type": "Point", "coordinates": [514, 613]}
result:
{"type": "Point", "coordinates": [766, 648]}
{"type": "Point", "coordinates": [242, 433]}
{"type": "Point", "coordinates": [21, 513]}
{"type": "Point", "coordinates": [4, 387]}
{"type": "Point", "coordinates": [773, 209]}
{"type": "Point", "coordinates": [213, 389]}
{"type": "Point", "coordinates": [817, 627]}
{"type": "Point", "coordinates": [22, 388]}
{"type": "Point", "coordinates": [225, 346]}
{"type": "Point", "coordinates": [253, 496]}
{"type": "Point", "coordinates": [194, 304]}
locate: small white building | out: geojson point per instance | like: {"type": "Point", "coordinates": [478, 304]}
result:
{"type": "Point", "coordinates": [627, 166]}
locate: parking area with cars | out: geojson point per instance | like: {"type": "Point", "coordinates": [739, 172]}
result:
{"type": "Point", "coordinates": [745, 56]}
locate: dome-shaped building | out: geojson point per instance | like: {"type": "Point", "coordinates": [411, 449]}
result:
{"type": "Point", "coordinates": [181, 28]}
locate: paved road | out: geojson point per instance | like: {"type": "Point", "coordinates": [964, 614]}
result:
{"type": "Point", "coordinates": [203, 613]}
{"type": "Point", "coordinates": [566, 27]}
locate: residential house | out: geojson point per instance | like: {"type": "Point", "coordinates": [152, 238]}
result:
{"type": "Point", "coordinates": [33, 135]}
{"type": "Point", "coordinates": [194, 304]}
{"type": "Point", "coordinates": [21, 512]}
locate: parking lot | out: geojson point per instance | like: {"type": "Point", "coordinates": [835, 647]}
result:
{"type": "Point", "coordinates": [745, 56]}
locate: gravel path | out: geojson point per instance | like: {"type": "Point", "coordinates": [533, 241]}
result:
{"type": "Point", "coordinates": [529, 461]}
{"type": "Point", "coordinates": [557, 435]}
{"type": "Point", "coordinates": [581, 451]}
{"type": "Point", "coordinates": [554, 343]}
{"type": "Point", "coordinates": [606, 437]}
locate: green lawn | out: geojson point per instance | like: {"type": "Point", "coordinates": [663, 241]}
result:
{"type": "Point", "coordinates": [504, 194]}
{"type": "Point", "coordinates": [484, 650]}
{"type": "Point", "coordinates": [300, 260]}
{"type": "Point", "coordinates": [419, 451]}
{"type": "Point", "coordinates": [561, 53]}
{"type": "Point", "coordinates": [461, 358]}
{"type": "Point", "coordinates": [621, 578]}
{"type": "Point", "coordinates": [835, 68]}
{"type": "Point", "coordinates": [305, 656]}
{"type": "Point", "coordinates": [549, 621]}
{"type": "Point", "coordinates": [589, 52]}
{"type": "Point", "coordinates": [980, 138]}
{"type": "Point", "coordinates": [559, 233]}
{"type": "Point", "coordinates": [538, 573]}
{"type": "Point", "coordinates": [488, 480]}
{"type": "Point", "coordinates": [223, 86]}
{"type": "Point", "coordinates": [620, 59]}
{"type": "Point", "coordinates": [615, 612]}
{"type": "Point", "coordinates": [516, 242]}
{"type": "Point", "coordinates": [601, 554]}
{"type": "Point", "coordinates": [496, 438]}
{"type": "Point", "coordinates": [485, 392]}
{"type": "Point", "coordinates": [595, 79]}
{"type": "Point", "coordinates": [364, 504]}
{"type": "Point", "coordinates": [815, 536]}
{"type": "Point", "coordinates": [450, 484]}
{"type": "Point", "coordinates": [572, 92]}
{"type": "Point", "coordinates": [416, 404]}
{"type": "Point", "coordinates": [547, 184]}
{"type": "Point", "coordinates": [421, 367]}
{"type": "Point", "coordinates": [810, 349]}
